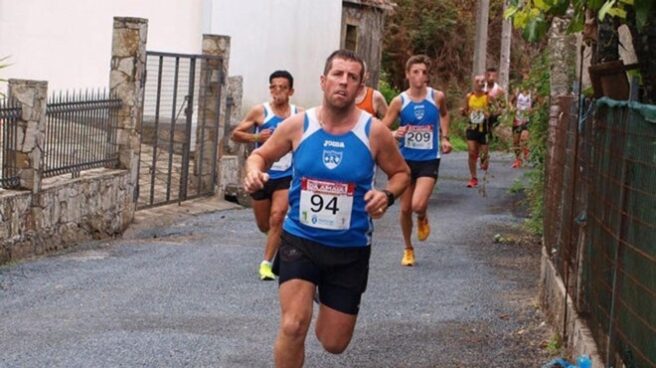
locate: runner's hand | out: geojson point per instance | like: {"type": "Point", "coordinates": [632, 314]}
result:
{"type": "Point", "coordinates": [255, 180]}
{"type": "Point", "coordinates": [265, 134]}
{"type": "Point", "coordinates": [446, 146]}
{"type": "Point", "coordinates": [376, 203]}
{"type": "Point", "coordinates": [400, 133]}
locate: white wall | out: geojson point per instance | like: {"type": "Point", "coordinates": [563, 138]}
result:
{"type": "Point", "coordinates": [296, 35]}
{"type": "Point", "coordinates": [68, 42]}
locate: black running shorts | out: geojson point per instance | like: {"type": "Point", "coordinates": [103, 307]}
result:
{"type": "Point", "coordinates": [271, 186]}
{"type": "Point", "coordinates": [430, 168]}
{"type": "Point", "coordinates": [340, 274]}
{"type": "Point", "coordinates": [477, 136]}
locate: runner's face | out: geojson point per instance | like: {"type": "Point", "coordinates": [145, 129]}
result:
{"type": "Point", "coordinates": [280, 91]}
{"type": "Point", "coordinates": [479, 83]}
{"type": "Point", "coordinates": [491, 77]}
{"type": "Point", "coordinates": [342, 83]}
{"type": "Point", "coordinates": [417, 75]}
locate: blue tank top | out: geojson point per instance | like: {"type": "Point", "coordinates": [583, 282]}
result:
{"type": "Point", "coordinates": [421, 142]}
{"type": "Point", "coordinates": [282, 167]}
{"type": "Point", "coordinates": [332, 173]}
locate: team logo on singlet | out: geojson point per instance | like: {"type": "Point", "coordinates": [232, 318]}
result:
{"type": "Point", "coordinates": [419, 111]}
{"type": "Point", "coordinates": [332, 159]}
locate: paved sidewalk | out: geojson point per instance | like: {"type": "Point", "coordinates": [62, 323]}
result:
{"type": "Point", "coordinates": [180, 289]}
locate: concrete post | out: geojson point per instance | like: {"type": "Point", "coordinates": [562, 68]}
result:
{"type": "Point", "coordinates": [31, 97]}
{"type": "Point", "coordinates": [480, 44]}
{"type": "Point", "coordinates": [214, 95]}
{"type": "Point", "coordinates": [126, 81]}
{"type": "Point", "coordinates": [211, 108]}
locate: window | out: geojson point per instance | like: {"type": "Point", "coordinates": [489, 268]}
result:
{"type": "Point", "coordinates": [351, 39]}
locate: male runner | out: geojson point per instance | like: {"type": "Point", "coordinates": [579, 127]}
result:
{"type": "Point", "coordinates": [476, 109]}
{"type": "Point", "coordinates": [326, 237]}
{"type": "Point", "coordinates": [270, 202]}
{"type": "Point", "coordinates": [522, 103]}
{"type": "Point", "coordinates": [497, 101]}
{"type": "Point", "coordinates": [371, 100]}
{"type": "Point", "coordinates": [423, 131]}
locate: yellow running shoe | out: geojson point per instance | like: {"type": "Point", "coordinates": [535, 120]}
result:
{"type": "Point", "coordinates": [265, 271]}
{"type": "Point", "coordinates": [408, 257]}
{"type": "Point", "coordinates": [423, 229]}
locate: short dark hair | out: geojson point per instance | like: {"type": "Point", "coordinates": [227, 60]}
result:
{"type": "Point", "coordinates": [282, 74]}
{"type": "Point", "coordinates": [417, 59]}
{"type": "Point", "coordinates": [491, 69]}
{"type": "Point", "coordinates": [346, 55]}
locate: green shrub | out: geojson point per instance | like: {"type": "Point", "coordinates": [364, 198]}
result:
{"type": "Point", "coordinates": [538, 82]}
{"type": "Point", "coordinates": [388, 91]}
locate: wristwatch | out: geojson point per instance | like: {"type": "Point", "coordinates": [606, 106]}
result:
{"type": "Point", "coordinates": [390, 197]}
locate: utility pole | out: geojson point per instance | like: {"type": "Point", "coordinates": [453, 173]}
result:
{"type": "Point", "coordinates": [480, 45]}
{"type": "Point", "coordinates": [504, 62]}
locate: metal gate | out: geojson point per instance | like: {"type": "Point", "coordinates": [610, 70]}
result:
{"type": "Point", "coordinates": [179, 128]}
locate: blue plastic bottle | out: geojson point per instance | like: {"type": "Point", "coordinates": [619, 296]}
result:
{"type": "Point", "coordinates": [584, 361]}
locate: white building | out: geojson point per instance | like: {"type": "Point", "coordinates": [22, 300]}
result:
{"type": "Point", "coordinates": [68, 42]}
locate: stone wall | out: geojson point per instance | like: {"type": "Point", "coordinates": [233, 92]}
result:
{"type": "Point", "coordinates": [96, 205]}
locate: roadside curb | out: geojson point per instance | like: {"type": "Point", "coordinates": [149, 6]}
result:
{"type": "Point", "coordinates": [551, 295]}
{"type": "Point", "coordinates": [163, 216]}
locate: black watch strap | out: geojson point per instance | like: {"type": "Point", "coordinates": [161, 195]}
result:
{"type": "Point", "coordinates": [390, 197]}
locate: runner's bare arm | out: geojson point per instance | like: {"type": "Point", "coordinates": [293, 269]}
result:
{"type": "Point", "coordinates": [389, 159]}
{"type": "Point", "coordinates": [464, 110]}
{"type": "Point", "coordinates": [445, 121]}
{"type": "Point", "coordinates": [283, 140]}
{"type": "Point", "coordinates": [380, 105]}
{"type": "Point", "coordinates": [392, 112]}
{"type": "Point", "coordinates": [242, 132]}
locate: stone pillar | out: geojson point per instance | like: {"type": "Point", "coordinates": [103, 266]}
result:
{"type": "Point", "coordinates": [235, 92]}
{"type": "Point", "coordinates": [31, 97]}
{"type": "Point", "coordinates": [211, 110]}
{"type": "Point", "coordinates": [214, 72]}
{"type": "Point", "coordinates": [126, 81]}
{"type": "Point", "coordinates": [233, 154]}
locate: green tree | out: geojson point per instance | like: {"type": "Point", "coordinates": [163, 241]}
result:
{"type": "Point", "coordinates": [534, 17]}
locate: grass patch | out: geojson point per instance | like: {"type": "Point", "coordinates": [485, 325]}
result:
{"type": "Point", "coordinates": [554, 345]}
{"type": "Point", "coordinates": [516, 187]}
{"type": "Point", "coordinates": [458, 144]}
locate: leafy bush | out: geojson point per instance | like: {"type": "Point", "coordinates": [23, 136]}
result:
{"type": "Point", "coordinates": [539, 82]}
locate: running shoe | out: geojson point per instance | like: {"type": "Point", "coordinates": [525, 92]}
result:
{"type": "Point", "coordinates": [473, 182]}
{"type": "Point", "coordinates": [265, 271]}
{"type": "Point", "coordinates": [408, 257]}
{"type": "Point", "coordinates": [423, 228]}
{"type": "Point", "coordinates": [517, 164]}
{"type": "Point", "coordinates": [485, 165]}
{"type": "Point", "coordinates": [526, 153]}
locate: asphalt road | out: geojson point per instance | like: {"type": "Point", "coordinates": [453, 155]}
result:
{"type": "Point", "coordinates": [187, 294]}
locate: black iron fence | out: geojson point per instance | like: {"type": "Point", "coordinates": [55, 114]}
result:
{"type": "Point", "coordinates": [9, 113]}
{"type": "Point", "coordinates": [600, 220]}
{"type": "Point", "coordinates": [80, 132]}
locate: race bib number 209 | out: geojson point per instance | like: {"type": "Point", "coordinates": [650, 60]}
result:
{"type": "Point", "coordinates": [419, 137]}
{"type": "Point", "coordinates": [326, 204]}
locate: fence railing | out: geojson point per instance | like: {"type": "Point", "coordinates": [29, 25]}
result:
{"type": "Point", "coordinates": [9, 113]}
{"type": "Point", "coordinates": [80, 132]}
{"type": "Point", "coordinates": [600, 219]}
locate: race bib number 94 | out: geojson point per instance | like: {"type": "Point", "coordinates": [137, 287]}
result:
{"type": "Point", "coordinates": [326, 204]}
{"type": "Point", "coordinates": [419, 137]}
